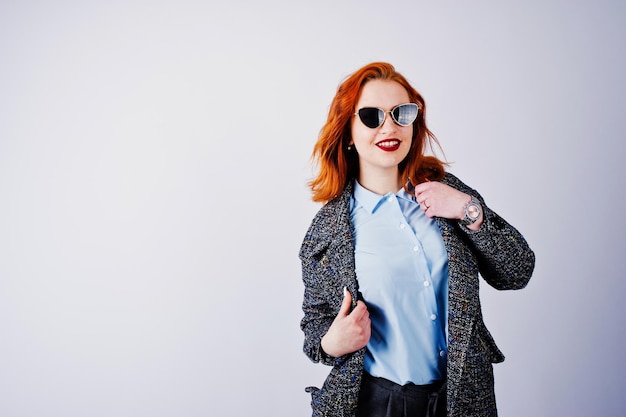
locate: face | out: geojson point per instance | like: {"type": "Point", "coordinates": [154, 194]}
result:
{"type": "Point", "coordinates": [381, 149]}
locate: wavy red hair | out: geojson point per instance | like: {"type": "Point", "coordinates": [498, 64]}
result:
{"type": "Point", "coordinates": [337, 165]}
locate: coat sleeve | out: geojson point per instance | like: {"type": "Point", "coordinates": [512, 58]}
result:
{"type": "Point", "coordinates": [323, 294]}
{"type": "Point", "coordinates": [505, 259]}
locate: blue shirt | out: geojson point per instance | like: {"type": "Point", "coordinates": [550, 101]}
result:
{"type": "Point", "coordinates": [402, 270]}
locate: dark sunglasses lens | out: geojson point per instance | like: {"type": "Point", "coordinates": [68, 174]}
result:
{"type": "Point", "coordinates": [404, 114]}
{"type": "Point", "coordinates": [371, 117]}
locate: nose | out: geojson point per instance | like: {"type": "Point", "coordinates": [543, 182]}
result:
{"type": "Point", "coordinates": [388, 125]}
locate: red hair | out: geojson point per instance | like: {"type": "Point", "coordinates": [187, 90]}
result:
{"type": "Point", "coordinates": [337, 165]}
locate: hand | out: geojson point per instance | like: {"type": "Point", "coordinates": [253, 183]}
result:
{"type": "Point", "coordinates": [350, 331]}
{"type": "Point", "coordinates": [441, 200]}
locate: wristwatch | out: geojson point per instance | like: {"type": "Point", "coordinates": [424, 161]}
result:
{"type": "Point", "coordinates": [473, 210]}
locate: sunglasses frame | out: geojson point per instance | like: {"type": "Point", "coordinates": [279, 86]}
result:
{"type": "Point", "coordinates": [385, 115]}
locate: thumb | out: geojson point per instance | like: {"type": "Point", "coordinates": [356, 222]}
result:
{"type": "Point", "coordinates": [346, 303]}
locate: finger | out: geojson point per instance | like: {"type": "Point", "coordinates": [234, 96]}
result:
{"type": "Point", "coordinates": [360, 311]}
{"type": "Point", "coordinates": [423, 196]}
{"type": "Point", "coordinates": [344, 310]}
{"type": "Point", "coordinates": [423, 186]}
{"type": "Point", "coordinates": [424, 204]}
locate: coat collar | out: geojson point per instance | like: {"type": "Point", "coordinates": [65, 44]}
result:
{"type": "Point", "coordinates": [330, 225]}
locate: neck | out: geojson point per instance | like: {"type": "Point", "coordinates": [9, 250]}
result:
{"type": "Point", "coordinates": [381, 182]}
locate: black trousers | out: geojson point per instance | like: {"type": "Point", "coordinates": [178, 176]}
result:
{"type": "Point", "coordinates": [380, 397]}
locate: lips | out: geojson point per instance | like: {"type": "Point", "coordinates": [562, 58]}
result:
{"type": "Point", "coordinates": [388, 145]}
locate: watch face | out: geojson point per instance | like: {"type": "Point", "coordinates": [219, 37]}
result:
{"type": "Point", "coordinates": [473, 211]}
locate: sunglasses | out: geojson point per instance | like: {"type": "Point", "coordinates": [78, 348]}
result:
{"type": "Point", "coordinates": [402, 114]}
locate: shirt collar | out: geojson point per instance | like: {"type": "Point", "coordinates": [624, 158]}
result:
{"type": "Point", "coordinates": [370, 201]}
{"type": "Point", "coordinates": [405, 195]}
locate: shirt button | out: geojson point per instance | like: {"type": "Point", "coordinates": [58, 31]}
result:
{"type": "Point", "coordinates": [426, 284]}
{"type": "Point", "coordinates": [390, 198]}
{"type": "Point", "coordinates": [416, 248]}
{"type": "Point", "coordinates": [433, 317]}
{"type": "Point", "coordinates": [402, 225]}
{"type": "Point", "coordinates": [442, 353]}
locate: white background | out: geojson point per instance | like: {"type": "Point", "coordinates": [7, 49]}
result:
{"type": "Point", "coordinates": [153, 165]}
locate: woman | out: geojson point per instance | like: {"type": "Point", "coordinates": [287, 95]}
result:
{"type": "Point", "coordinates": [390, 263]}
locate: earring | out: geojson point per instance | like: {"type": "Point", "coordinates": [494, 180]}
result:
{"type": "Point", "coordinates": [349, 147]}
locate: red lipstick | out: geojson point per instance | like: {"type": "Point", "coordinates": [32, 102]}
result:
{"type": "Point", "coordinates": [388, 145]}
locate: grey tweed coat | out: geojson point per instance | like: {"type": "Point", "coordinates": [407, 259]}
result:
{"type": "Point", "coordinates": [497, 251]}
